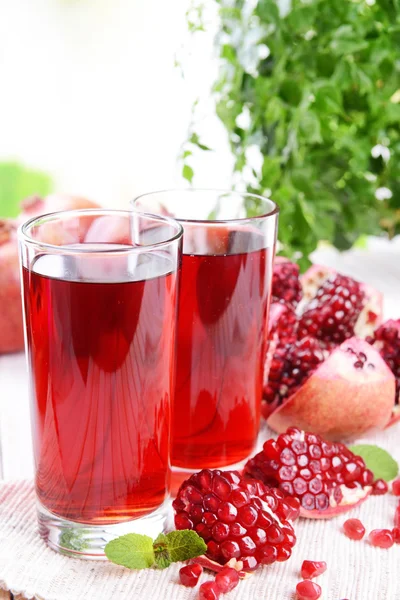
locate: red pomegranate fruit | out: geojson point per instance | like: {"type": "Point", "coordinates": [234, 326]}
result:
{"type": "Point", "coordinates": [349, 393]}
{"type": "Point", "coordinates": [11, 330]}
{"type": "Point", "coordinates": [386, 339]}
{"type": "Point", "coordinates": [327, 478]}
{"type": "Point", "coordinates": [238, 518]}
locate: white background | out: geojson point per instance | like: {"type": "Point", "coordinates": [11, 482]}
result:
{"type": "Point", "coordinates": [89, 92]}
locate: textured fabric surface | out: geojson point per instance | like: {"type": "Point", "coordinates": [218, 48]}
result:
{"type": "Point", "coordinates": [356, 570]}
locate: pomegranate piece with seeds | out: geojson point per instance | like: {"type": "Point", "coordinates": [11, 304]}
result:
{"type": "Point", "coordinates": [396, 487]}
{"type": "Point", "coordinates": [312, 568]}
{"type": "Point", "coordinates": [286, 286]}
{"type": "Point", "coordinates": [327, 478]}
{"type": "Point", "coordinates": [308, 590]}
{"type": "Point", "coordinates": [387, 340]}
{"type": "Point", "coordinates": [237, 517]}
{"type": "Point", "coordinates": [382, 538]}
{"type": "Point", "coordinates": [379, 487]}
{"type": "Point", "coordinates": [371, 315]}
{"type": "Point", "coordinates": [349, 393]}
{"type": "Point", "coordinates": [333, 313]}
{"type": "Point", "coordinates": [227, 579]}
{"type": "Point", "coordinates": [354, 529]}
{"type": "Point", "coordinates": [189, 575]}
{"type": "Point", "coordinates": [209, 591]}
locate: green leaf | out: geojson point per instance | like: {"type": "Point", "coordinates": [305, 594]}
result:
{"type": "Point", "coordinates": [161, 552]}
{"type": "Point", "coordinates": [18, 182]}
{"type": "Point", "coordinates": [184, 544]}
{"type": "Point", "coordinates": [380, 462]}
{"type": "Point", "coordinates": [132, 550]}
{"type": "Point", "coordinates": [188, 173]}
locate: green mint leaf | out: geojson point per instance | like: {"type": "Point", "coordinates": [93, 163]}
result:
{"type": "Point", "coordinates": [184, 544]}
{"type": "Point", "coordinates": [377, 460]}
{"type": "Point", "coordinates": [132, 550]}
{"type": "Point", "coordinates": [161, 553]}
{"type": "Point", "coordinates": [187, 173]}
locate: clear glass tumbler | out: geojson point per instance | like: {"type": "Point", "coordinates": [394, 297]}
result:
{"type": "Point", "coordinates": [100, 305]}
{"type": "Point", "coordinates": [228, 250]}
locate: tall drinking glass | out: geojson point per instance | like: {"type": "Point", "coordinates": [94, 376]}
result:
{"type": "Point", "coordinates": [228, 250]}
{"type": "Point", "coordinates": [100, 299]}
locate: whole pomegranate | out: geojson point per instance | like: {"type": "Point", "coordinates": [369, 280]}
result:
{"type": "Point", "coordinates": [11, 328]}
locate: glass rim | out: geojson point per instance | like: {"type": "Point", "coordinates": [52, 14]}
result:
{"type": "Point", "coordinates": [273, 212]}
{"type": "Point", "coordinates": [25, 238]}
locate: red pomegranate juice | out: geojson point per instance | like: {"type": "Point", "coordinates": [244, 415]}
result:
{"type": "Point", "coordinates": [223, 306]}
{"type": "Point", "coordinates": [100, 345]}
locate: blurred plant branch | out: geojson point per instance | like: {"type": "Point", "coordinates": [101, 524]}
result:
{"type": "Point", "coordinates": [310, 98]}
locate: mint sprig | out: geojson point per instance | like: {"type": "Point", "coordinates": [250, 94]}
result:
{"type": "Point", "coordinates": [136, 551]}
{"type": "Point", "coordinates": [378, 460]}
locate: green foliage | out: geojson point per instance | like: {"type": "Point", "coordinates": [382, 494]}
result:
{"type": "Point", "coordinates": [321, 85]}
{"type": "Point", "coordinates": [18, 182]}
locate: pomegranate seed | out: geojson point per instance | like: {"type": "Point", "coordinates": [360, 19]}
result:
{"type": "Point", "coordinates": [237, 518]}
{"type": "Point", "coordinates": [190, 574]}
{"type": "Point", "coordinates": [396, 487]}
{"type": "Point", "coordinates": [379, 487]}
{"type": "Point", "coordinates": [396, 535]}
{"type": "Point", "coordinates": [382, 538]}
{"type": "Point", "coordinates": [397, 516]}
{"type": "Point", "coordinates": [308, 590]}
{"type": "Point", "coordinates": [209, 591]}
{"type": "Point", "coordinates": [354, 529]}
{"type": "Point", "coordinates": [227, 579]}
{"type": "Point", "coordinates": [312, 568]}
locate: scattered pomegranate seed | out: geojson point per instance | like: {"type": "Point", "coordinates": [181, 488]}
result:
{"type": "Point", "coordinates": [312, 568]}
{"type": "Point", "coordinates": [379, 487]}
{"type": "Point", "coordinates": [209, 591]}
{"type": "Point", "coordinates": [354, 529]}
{"type": "Point", "coordinates": [397, 516]}
{"type": "Point", "coordinates": [308, 590]}
{"type": "Point", "coordinates": [227, 579]}
{"type": "Point", "coordinates": [396, 487]}
{"type": "Point", "coordinates": [189, 575]}
{"type": "Point", "coordinates": [396, 535]}
{"type": "Point", "coordinates": [382, 538]}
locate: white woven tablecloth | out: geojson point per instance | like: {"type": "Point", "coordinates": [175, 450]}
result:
{"type": "Point", "coordinates": [356, 571]}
